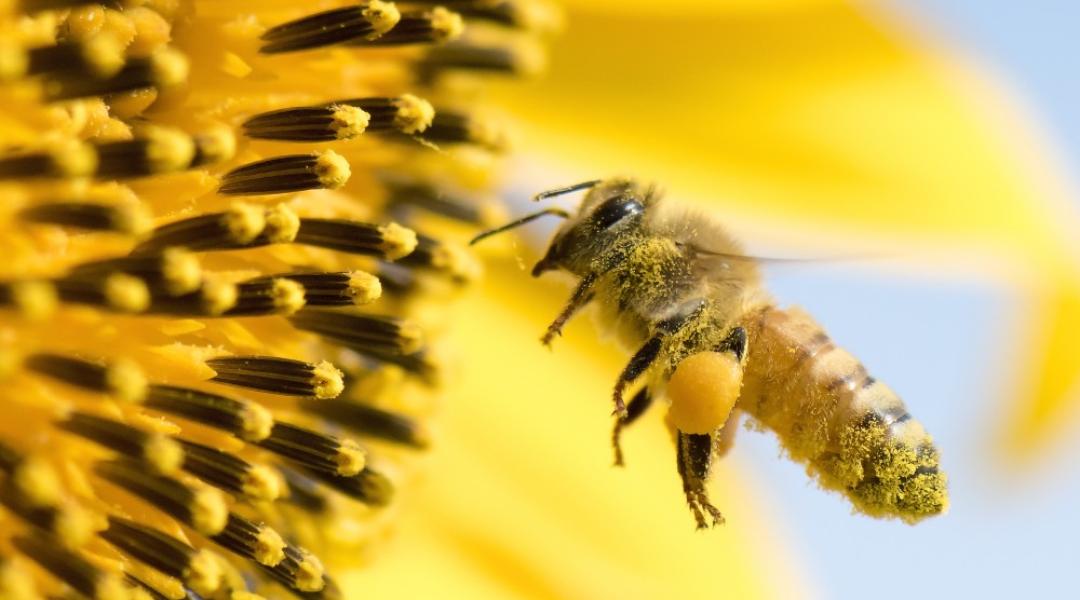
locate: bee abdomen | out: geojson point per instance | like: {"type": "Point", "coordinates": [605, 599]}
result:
{"type": "Point", "coordinates": [854, 433]}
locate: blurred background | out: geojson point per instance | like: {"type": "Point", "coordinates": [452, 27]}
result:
{"type": "Point", "coordinates": [929, 150]}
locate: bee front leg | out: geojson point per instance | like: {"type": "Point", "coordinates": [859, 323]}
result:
{"type": "Point", "coordinates": [581, 296]}
{"type": "Point", "coordinates": [695, 455]}
{"type": "Point", "coordinates": [637, 407]}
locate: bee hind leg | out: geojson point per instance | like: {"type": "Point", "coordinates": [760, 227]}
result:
{"type": "Point", "coordinates": [637, 407]}
{"type": "Point", "coordinates": [695, 454]}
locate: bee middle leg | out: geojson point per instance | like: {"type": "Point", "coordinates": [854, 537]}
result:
{"type": "Point", "coordinates": [639, 363]}
{"type": "Point", "coordinates": [637, 407]}
{"type": "Point", "coordinates": [695, 455]}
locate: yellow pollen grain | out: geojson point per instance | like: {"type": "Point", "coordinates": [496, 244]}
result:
{"type": "Point", "coordinates": [152, 31]}
{"type": "Point", "coordinates": [282, 224]}
{"type": "Point", "coordinates": [134, 219]}
{"type": "Point", "coordinates": [126, 293]}
{"type": "Point", "coordinates": [382, 16]}
{"type": "Point", "coordinates": [169, 67]}
{"type": "Point", "coordinates": [329, 381]}
{"type": "Point", "coordinates": [217, 143]}
{"type": "Point", "coordinates": [203, 573]}
{"type": "Point", "coordinates": [364, 287]}
{"type": "Point", "coordinates": [38, 482]}
{"type": "Point", "coordinates": [209, 511]}
{"type": "Point", "coordinates": [218, 296]}
{"type": "Point", "coordinates": [181, 271]}
{"type": "Point", "coordinates": [269, 547]}
{"type": "Point", "coordinates": [397, 241]}
{"type": "Point", "coordinates": [350, 458]}
{"type": "Point", "coordinates": [36, 30]}
{"type": "Point", "coordinates": [85, 21]}
{"type": "Point", "coordinates": [414, 114]}
{"type": "Point", "coordinates": [244, 221]}
{"type": "Point", "coordinates": [168, 149]}
{"type": "Point", "coordinates": [36, 300]}
{"type": "Point", "coordinates": [288, 295]}
{"type": "Point", "coordinates": [332, 170]}
{"type": "Point", "coordinates": [261, 483]}
{"type": "Point", "coordinates": [164, 454]}
{"type": "Point", "coordinates": [72, 158]}
{"type": "Point", "coordinates": [126, 380]}
{"type": "Point", "coordinates": [309, 574]}
{"type": "Point", "coordinates": [447, 25]}
{"type": "Point", "coordinates": [104, 55]}
{"type": "Point", "coordinates": [348, 121]}
{"type": "Point", "coordinates": [256, 422]}
{"type": "Point", "coordinates": [74, 526]}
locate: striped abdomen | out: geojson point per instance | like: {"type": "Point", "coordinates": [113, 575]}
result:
{"type": "Point", "coordinates": [853, 433]}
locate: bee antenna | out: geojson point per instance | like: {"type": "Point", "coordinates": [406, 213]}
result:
{"type": "Point", "coordinates": [555, 212]}
{"type": "Point", "coordinates": [584, 185]}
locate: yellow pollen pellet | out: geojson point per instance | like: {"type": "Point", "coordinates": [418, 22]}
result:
{"type": "Point", "coordinates": [703, 390]}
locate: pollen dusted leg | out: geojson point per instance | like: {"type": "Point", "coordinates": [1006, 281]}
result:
{"type": "Point", "coordinates": [695, 454]}
{"type": "Point", "coordinates": [637, 407]}
{"type": "Point", "coordinates": [735, 342]}
{"type": "Point", "coordinates": [639, 363]}
{"type": "Point", "coordinates": [581, 296]}
{"type": "Point", "coordinates": [645, 357]}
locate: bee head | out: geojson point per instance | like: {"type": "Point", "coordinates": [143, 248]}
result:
{"type": "Point", "coordinates": [611, 209]}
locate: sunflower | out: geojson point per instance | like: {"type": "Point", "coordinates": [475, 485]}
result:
{"type": "Point", "coordinates": [229, 236]}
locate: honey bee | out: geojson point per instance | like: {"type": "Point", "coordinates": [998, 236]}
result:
{"type": "Point", "coordinates": [674, 287]}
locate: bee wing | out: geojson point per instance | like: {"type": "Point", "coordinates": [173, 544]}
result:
{"type": "Point", "coordinates": [735, 256]}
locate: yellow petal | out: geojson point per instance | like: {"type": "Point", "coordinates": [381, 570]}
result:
{"type": "Point", "coordinates": [522, 501]}
{"type": "Point", "coordinates": [1050, 380]}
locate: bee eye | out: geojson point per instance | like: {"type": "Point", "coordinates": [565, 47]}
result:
{"type": "Point", "coordinates": [614, 210]}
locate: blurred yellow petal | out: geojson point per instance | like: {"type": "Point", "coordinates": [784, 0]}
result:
{"type": "Point", "coordinates": [522, 500]}
{"type": "Point", "coordinates": [618, 8]}
{"type": "Point", "coordinates": [1050, 379]}
{"type": "Point", "coordinates": [813, 119]}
